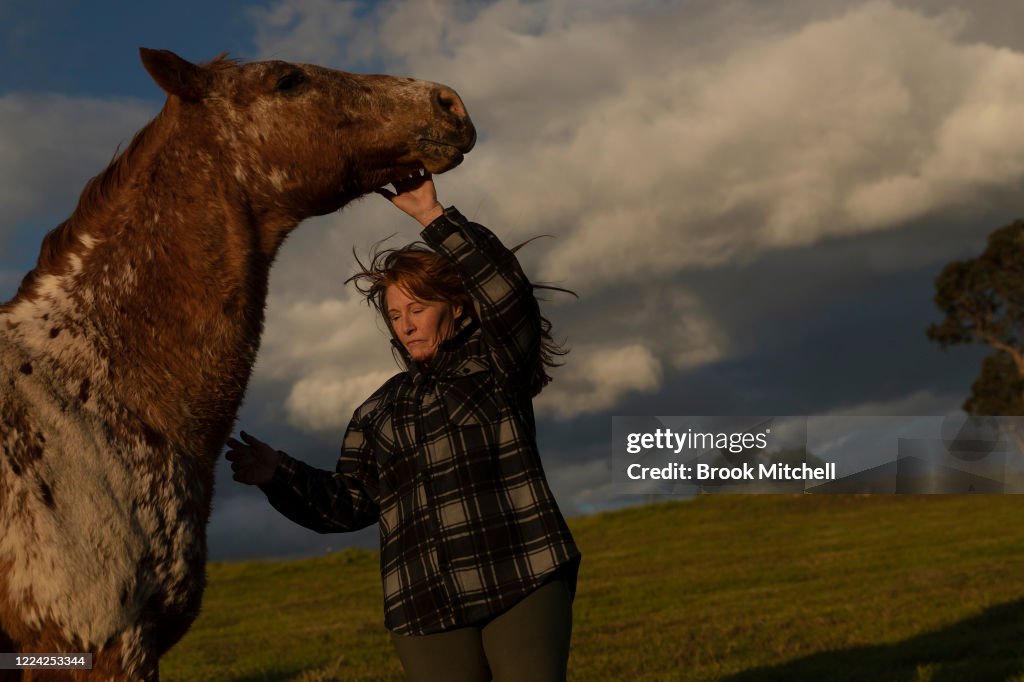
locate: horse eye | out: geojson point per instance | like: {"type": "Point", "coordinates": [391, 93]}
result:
{"type": "Point", "coordinates": [289, 81]}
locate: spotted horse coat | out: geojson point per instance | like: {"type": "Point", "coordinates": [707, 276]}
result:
{"type": "Point", "coordinates": [126, 351]}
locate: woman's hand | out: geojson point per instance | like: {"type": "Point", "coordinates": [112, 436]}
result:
{"type": "Point", "coordinates": [253, 462]}
{"type": "Point", "coordinates": [416, 196]}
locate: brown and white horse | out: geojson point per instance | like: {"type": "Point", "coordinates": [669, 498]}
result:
{"type": "Point", "coordinates": [126, 351]}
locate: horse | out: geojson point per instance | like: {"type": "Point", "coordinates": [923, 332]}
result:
{"type": "Point", "coordinates": [126, 351]}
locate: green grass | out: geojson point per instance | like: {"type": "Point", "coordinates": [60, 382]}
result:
{"type": "Point", "coordinates": [737, 588]}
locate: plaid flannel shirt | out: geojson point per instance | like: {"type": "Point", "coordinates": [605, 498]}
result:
{"type": "Point", "coordinates": [444, 456]}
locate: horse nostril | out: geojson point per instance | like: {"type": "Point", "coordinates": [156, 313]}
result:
{"type": "Point", "coordinates": [449, 103]}
{"type": "Point", "coordinates": [450, 107]}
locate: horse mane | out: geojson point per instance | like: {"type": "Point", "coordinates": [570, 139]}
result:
{"type": "Point", "coordinates": [99, 189]}
{"type": "Point", "coordinates": [221, 63]}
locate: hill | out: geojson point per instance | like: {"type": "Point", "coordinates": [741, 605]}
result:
{"type": "Point", "coordinates": [738, 588]}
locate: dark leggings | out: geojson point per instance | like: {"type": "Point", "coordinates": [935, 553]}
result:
{"type": "Point", "coordinates": [529, 641]}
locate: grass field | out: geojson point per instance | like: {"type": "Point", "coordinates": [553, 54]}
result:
{"type": "Point", "coordinates": [737, 588]}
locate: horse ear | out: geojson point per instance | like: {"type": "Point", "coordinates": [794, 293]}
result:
{"type": "Point", "coordinates": [174, 75]}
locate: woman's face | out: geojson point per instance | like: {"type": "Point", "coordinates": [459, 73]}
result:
{"type": "Point", "coordinates": [419, 325]}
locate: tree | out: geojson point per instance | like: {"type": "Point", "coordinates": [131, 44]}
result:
{"type": "Point", "coordinates": [998, 390]}
{"type": "Point", "coordinates": [983, 300]}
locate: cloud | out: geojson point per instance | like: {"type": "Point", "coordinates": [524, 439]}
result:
{"type": "Point", "coordinates": [497, 51]}
{"type": "Point", "coordinates": [649, 154]}
{"type": "Point", "coordinates": [51, 144]}
{"type": "Point", "coordinates": [306, 30]}
{"type": "Point", "coordinates": [331, 351]}
{"type": "Point", "coordinates": [326, 401]}
{"type": "Point", "coordinates": [597, 377]}
{"type": "Point", "coordinates": [665, 325]}
{"type": "Point", "coordinates": [791, 139]}
{"type": "Point", "coordinates": [657, 139]}
{"type": "Point", "coordinates": [837, 426]}
{"type": "Point", "coordinates": [646, 155]}
{"type": "Point", "coordinates": [923, 402]}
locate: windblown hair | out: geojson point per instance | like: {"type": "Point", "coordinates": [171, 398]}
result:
{"type": "Point", "coordinates": [428, 276]}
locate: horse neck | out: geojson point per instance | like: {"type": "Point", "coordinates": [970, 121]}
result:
{"type": "Point", "coordinates": [150, 304]}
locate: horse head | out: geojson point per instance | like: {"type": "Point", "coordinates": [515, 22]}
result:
{"type": "Point", "coordinates": [304, 139]}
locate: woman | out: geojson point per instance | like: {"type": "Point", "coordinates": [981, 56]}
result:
{"type": "Point", "coordinates": [478, 564]}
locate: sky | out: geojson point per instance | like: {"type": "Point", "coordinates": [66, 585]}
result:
{"type": "Point", "coordinates": [752, 199]}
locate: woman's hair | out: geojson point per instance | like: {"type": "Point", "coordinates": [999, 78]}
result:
{"type": "Point", "coordinates": [428, 276]}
